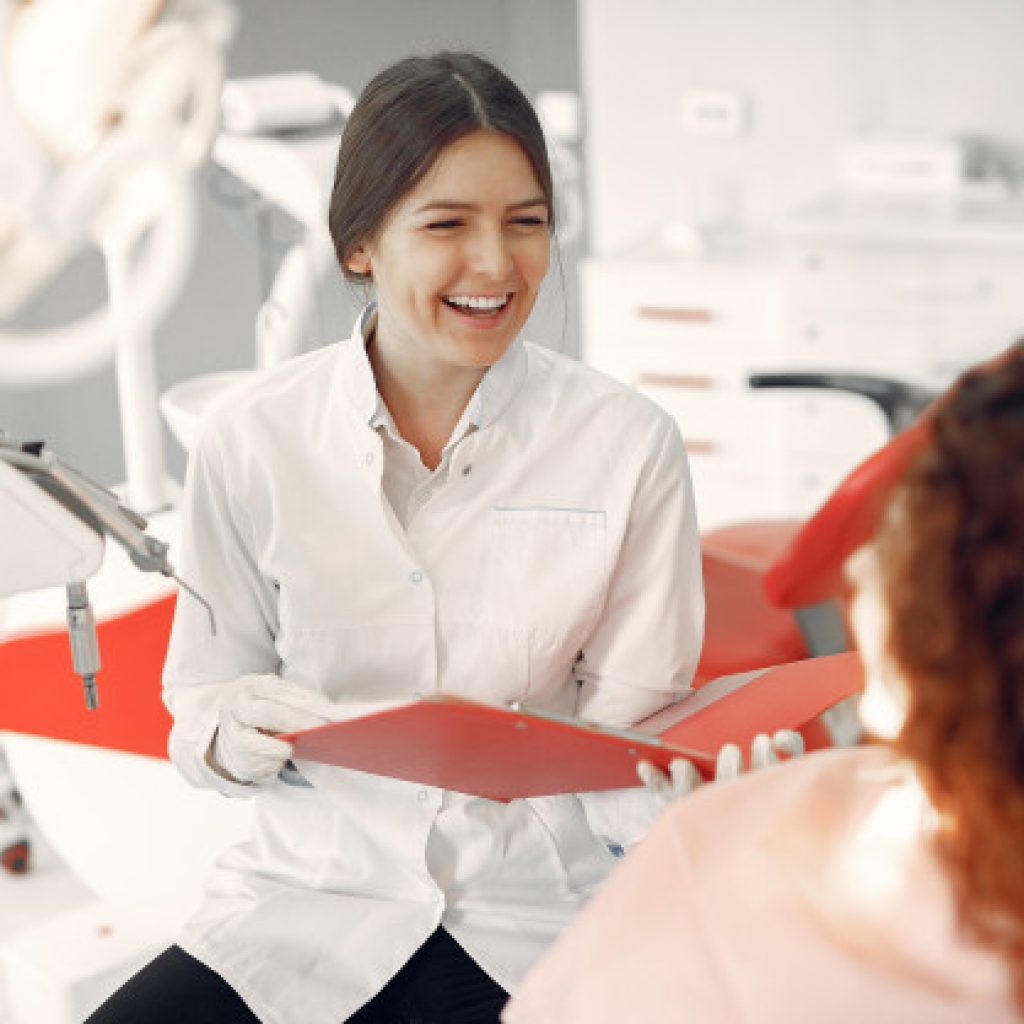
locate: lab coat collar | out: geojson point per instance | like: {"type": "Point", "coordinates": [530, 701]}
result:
{"type": "Point", "coordinates": [360, 384]}
{"type": "Point", "coordinates": [499, 385]}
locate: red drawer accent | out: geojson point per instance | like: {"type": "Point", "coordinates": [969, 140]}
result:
{"type": "Point", "coordinates": [689, 382]}
{"type": "Point", "coordinates": [676, 314]}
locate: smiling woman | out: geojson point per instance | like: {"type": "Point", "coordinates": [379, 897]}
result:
{"type": "Point", "coordinates": [455, 279]}
{"type": "Point", "coordinates": [443, 198]}
{"type": "Point", "coordinates": [433, 504]}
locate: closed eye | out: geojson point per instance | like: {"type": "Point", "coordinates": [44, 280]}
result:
{"type": "Point", "coordinates": [531, 222]}
{"type": "Point", "coordinates": [441, 225]}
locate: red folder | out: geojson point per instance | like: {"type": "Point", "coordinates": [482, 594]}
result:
{"type": "Point", "coordinates": [507, 752]}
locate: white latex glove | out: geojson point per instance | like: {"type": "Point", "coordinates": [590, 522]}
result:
{"type": "Point", "coordinates": [683, 777]}
{"type": "Point", "coordinates": [243, 749]}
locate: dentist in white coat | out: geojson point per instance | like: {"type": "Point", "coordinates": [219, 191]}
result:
{"type": "Point", "coordinates": [433, 504]}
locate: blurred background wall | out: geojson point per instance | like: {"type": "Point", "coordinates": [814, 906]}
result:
{"type": "Point", "coordinates": [809, 74]}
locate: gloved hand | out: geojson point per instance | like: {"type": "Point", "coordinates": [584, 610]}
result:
{"type": "Point", "coordinates": [683, 777]}
{"type": "Point", "coordinates": [243, 749]}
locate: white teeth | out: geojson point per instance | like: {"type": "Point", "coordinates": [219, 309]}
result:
{"type": "Point", "coordinates": [478, 301]}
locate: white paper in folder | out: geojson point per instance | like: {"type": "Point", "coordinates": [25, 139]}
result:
{"type": "Point", "coordinates": [274, 103]}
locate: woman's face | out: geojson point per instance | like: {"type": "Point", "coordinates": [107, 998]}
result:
{"type": "Point", "coordinates": [460, 259]}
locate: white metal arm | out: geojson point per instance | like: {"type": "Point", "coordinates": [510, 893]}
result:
{"type": "Point", "coordinates": [121, 99]}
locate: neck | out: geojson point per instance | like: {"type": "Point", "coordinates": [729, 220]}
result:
{"type": "Point", "coordinates": [425, 402]}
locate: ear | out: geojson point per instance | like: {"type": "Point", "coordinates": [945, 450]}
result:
{"type": "Point", "coordinates": [358, 262]}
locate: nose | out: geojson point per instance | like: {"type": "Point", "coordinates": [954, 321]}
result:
{"type": "Point", "coordinates": [491, 255]}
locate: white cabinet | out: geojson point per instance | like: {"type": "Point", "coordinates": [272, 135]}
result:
{"type": "Point", "coordinates": [917, 292]}
{"type": "Point", "coordinates": [687, 332]}
{"type": "Point", "coordinates": [913, 288]}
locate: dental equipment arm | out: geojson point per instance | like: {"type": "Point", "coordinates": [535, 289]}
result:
{"type": "Point", "coordinates": [107, 109]}
{"type": "Point", "coordinates": [53, 521]}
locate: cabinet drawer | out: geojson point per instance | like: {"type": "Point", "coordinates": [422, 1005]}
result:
{"type": "Point", "coordinates": [888, 346]}
{"type": "Point", "coordinates": [687, 288]}
{"type": "Point", "coordinates": [907, 278]}
{"type": "Point", "coordinates": [723, 415]}
{"type": "Point", "coordinates": [928, 349]}
{"type": "Point", "coordinates": [632, 359]}
{"type": "Point", "coordinates": [705, 417]}
{"type": "Point", "coordinates": [635, 348]}
{"type": "Point", "coordinates": [670, 320]}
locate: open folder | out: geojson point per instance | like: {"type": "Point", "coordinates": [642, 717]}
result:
{"type": "Point", "coordinates": [505, 752]}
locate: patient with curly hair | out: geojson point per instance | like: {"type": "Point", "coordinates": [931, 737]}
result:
{"type": "Point", "coordinates": [882, 884]}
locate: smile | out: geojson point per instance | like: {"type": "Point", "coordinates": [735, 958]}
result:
{"type": "Point", "coordinates": [478, 305]}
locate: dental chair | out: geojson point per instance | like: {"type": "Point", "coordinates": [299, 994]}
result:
{"type": "Point", "coordinates": [774, 589]}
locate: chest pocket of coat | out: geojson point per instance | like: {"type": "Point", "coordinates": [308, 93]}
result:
{"type": "Point", "coordinates": [545, 570]}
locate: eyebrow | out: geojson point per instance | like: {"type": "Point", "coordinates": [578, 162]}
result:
{"type": "Point", "coordinates": [452, 204]}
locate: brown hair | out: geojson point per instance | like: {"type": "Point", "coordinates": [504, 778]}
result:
{"type": "Point", "coordinates": [953, 558]}
{"type": "Point", "coordinates": [403, 119]}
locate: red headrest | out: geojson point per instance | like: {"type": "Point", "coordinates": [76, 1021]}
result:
{"type": "Point", "coordinates": [809, 570]}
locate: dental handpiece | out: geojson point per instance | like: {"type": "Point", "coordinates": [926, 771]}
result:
{"type": "Point", "coordinates": [85, 648]}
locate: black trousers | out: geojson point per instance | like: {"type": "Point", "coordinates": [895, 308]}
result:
{"type": "Point", "coordinates": [441, 984]}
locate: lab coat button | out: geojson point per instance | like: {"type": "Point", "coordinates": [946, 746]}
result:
{"type": "Point", "coordinates": [416, 576]}
{"type": "Point", "coordinates": [369, 458]}
{"type": "Point", "coordinates": [466, 470]}
{"type": "Point", "coordinates": [422, 796]}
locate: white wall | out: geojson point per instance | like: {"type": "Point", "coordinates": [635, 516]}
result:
{"type": "Point", "coordinates": [814, 71]}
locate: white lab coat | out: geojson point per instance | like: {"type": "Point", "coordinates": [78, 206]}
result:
{"type": "Point", "coordinates": [557, 563]}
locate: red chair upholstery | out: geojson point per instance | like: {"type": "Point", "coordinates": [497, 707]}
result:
{"type": "Point", "coordinates": [744, 630]}
{"type": "Point", "coordinates": [809, 568]}
{"type": "Point", "coordinates": [42, 696]}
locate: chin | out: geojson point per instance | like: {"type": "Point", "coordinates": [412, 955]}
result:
{"type": "Point", "coordinates": [482, 353]}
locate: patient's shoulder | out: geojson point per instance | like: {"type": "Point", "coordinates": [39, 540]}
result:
{"type": "Point", "coordinates": [826, 787]}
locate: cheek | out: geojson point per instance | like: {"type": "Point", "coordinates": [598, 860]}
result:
{"type": "Point", "coordinates": [433, 273]}
{"type": "Point", "coordinates": [534, 263]}
{"type": "Point", "coordinates": [414, 271]}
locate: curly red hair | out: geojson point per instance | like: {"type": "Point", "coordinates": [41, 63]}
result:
{"type": "Point", "coordinates": [953, 558]}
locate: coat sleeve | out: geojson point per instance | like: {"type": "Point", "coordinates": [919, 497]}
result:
{"type": "Point", "coordinates": [643, 651]}
{"type": "Point", "coordinates": [642, 654]}
{"type": "Point", "coordinates": [216, 558]}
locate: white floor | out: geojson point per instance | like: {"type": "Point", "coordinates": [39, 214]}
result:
{"type": "Point", "coordinates": [47, 890]}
